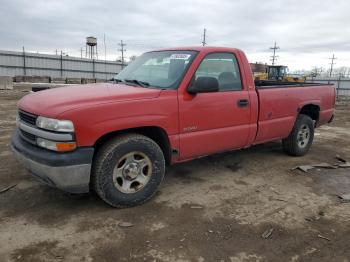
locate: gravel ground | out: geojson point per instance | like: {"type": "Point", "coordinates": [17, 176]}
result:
{"type": "Point", "coordinates": [211, 209]}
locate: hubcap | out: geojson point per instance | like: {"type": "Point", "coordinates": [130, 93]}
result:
{"type": "Point", "coordinates": [132, 172]}
{"type": "Point", "coordinates": [303, 136]}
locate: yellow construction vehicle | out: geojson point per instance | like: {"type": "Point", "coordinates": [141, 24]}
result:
{"type": "Point", "coordinates": [278, 73]}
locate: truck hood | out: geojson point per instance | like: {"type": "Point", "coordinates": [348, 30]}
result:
{"type": "Point", "coordinates": [52, 102]}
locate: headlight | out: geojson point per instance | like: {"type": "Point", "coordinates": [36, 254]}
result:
{"type": "Point", "coordinates": [56, 146]}
{"type": "Point", "coordinates": [54, 124]}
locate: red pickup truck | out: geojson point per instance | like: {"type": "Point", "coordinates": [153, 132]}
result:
{"type": "Point", "coordinates": [166, 107]}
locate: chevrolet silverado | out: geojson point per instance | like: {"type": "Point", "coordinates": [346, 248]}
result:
{"type": "Point", "coordinates": [167, 106]}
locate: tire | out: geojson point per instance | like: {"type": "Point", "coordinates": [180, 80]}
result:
{"type": "Point", "coordinates": [128, 170]}
{"type": "Point", "coordinates": [300, 139]}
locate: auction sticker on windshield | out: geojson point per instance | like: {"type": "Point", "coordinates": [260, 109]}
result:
{"type": "Point", "coordinates": [180, 56]}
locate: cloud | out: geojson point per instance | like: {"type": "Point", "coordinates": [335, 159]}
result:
{"type": "Point", "coordinates": [303, 29]}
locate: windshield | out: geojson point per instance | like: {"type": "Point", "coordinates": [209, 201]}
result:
{"type": "Point", "coordinates": [162, 69]}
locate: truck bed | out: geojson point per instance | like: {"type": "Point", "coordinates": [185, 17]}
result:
{"type": "Point", "coordinates": [279, 105]}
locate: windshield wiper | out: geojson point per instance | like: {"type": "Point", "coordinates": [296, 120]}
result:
{"type": "Point", "coordinates": [137, 82]}
{"type": "Point", "coordinates": [116, 80]}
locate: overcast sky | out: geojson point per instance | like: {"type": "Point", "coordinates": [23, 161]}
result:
{"type": "Point", "coordinates": [308, 32]}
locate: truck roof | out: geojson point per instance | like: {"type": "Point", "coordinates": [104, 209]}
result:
{"type": "Point", "coordinates": [201, 48]}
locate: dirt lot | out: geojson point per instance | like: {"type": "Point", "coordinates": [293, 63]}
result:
{"type": "Point", "coordinates": [211, 209]}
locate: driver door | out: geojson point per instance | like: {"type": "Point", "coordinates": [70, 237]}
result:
{"type": "Point", "coordinates": [215, 121]}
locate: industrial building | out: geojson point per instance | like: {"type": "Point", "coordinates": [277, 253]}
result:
{"type": "Point", "coordinates": [55, 66]}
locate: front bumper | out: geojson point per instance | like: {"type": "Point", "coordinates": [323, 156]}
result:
{"type": "Point", "coordinates": [67, 171]}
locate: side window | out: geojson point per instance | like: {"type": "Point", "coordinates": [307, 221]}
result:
{"type": "Point", "coordinates": [222, 66]}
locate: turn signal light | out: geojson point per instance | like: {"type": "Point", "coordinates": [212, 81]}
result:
{"type": "Point", "coordinates": [56, 146]}
{"type": "Point", "coordinates": [64, 147]}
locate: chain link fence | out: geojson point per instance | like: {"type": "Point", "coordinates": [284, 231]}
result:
{"type": "Point", "coordinates": [342, 85]}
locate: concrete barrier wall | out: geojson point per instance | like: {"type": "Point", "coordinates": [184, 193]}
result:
{"type": "Point", "coordinates": [6, 82]}
{"type": "Point", "coordinates": [32, 79]}
{"type": "Point", "coordinates": [54, 80]}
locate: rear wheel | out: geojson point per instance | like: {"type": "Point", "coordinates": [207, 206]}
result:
{"type": "Point", "coordinates": [128, 170]}
{"type": "Point", "coordinates": [300, 139]}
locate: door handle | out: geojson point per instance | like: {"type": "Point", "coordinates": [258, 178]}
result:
{"type": "Point", "coordinates": [243, 103]}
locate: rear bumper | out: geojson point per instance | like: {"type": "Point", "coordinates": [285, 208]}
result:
{"type": "Point", "coordinates": [67, 171]}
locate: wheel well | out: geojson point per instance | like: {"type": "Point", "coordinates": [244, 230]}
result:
{"type": "Point", "coordinates": [155, 133]}
{"type": "Point", "coordinates": [311, 110]}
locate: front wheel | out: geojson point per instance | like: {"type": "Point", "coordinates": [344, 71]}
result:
{"type": "Point", "coordinates": [300, 139]}
{"type": "Point", "coordinates": [128, 170]}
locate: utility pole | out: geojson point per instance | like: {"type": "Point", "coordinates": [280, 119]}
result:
{"type": "Point", "coordinates": [24, 62]}
{"type": "Point", "coordinates": [274, 56]}
{"type": "Point", "coordinates": [332, 64]}
{"type": "Point", "coordinates": [204, 37]}
{"type": "Point", "coordinates": [104, 43]}
{"type": "Point", "coordinates": [122, 50]}
{"type": "Point", "coordinates": [61, 64]}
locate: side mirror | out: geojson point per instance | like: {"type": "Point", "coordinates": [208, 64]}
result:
{"type": "Point", "coordinates": [204, 85]}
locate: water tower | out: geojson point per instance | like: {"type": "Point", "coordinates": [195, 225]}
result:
{"type": "Point", "coordinates": [91, 48]}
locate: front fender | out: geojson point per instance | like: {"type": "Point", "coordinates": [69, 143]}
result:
{"type": "Point", "coordinates": [88, 136]}
{"type": "Point", "coordinates": [118, 124]}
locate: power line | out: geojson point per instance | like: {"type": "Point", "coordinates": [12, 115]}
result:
{"type": "Point", "coordinates": [204, 37]}
{"type": "Point", "coordinates": [122, 50]}
{"type": "Point", "coordinates": [332, 64]}
{"type": "Point", "coordinates": [274, 56]}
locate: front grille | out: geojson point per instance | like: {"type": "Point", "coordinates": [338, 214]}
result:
{"type": "Point", "coordinates": [27, 117]}
{"type": "Point", "coordinates": [27, 136]}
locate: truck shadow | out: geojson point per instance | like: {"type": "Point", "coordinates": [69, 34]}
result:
{"type": "Point", "coordinates": [49, 206]}
{"type": "Point", "coordinates": [196, 170]}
